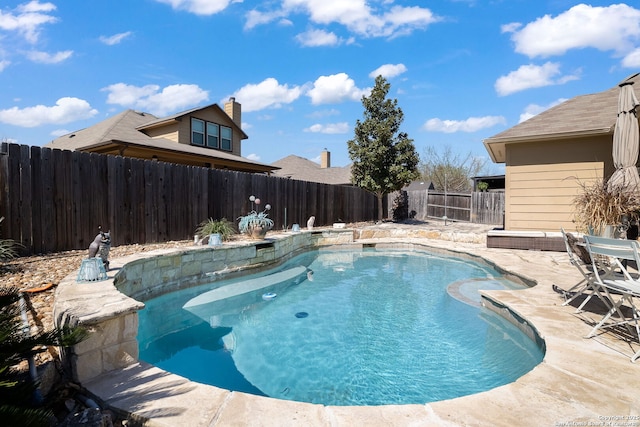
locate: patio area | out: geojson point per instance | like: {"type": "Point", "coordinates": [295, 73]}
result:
{"type": "Point", "coordinates": [580, 381]}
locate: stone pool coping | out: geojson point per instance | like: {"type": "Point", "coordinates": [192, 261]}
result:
{"type": "Point", "coordinates": [579, 381]}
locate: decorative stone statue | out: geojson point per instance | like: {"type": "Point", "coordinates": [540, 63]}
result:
{"type": "Point", "coordinates": [310, 222]}
{"type": "Point", "coordinates": [101, 246]}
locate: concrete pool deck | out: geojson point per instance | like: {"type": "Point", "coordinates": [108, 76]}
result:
{"type": "Point", "coordinates": [580, 381]}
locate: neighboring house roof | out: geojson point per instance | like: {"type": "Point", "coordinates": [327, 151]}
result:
{"type": "Point", "coordinates": [582, 116]}
{"type": "Point", "coordinates": [178, 116]}
{"type": "Point", "coordinates": [302, 169]}
{"type": "Point", "coordinates": [126, 128]}
{"type": "Point", "coordinates": [419, 185]}
{"type": "Point", "coordinates": [121, 127]}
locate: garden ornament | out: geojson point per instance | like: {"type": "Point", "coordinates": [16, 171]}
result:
{"type": "Point", "coordinates": [100, 247]}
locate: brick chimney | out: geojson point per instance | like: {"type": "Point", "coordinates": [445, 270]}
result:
{"type": "Point", "coordinates": [325, 159]}
{"type": "Point", "coordinates": [234, 110]}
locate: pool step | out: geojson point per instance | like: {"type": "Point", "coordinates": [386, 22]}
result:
{"type": "Point", "coordinates": [246, 287]}
{"type": "Point", "coordinates": [467, 291]}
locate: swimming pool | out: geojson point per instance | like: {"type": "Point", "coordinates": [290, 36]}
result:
{"type": "Point", "coordinates": [368, 327]}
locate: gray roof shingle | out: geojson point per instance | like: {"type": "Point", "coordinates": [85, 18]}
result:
{"type": "Point", "coordinates": [121, 127]}
{"type": "Point", "coordinates": [584, 115]}
{"type": "Point", "coordinates": [124, 127]}
{"type": "Point", "coordinates": [296, 167]}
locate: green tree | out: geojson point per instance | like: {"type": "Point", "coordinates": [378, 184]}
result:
{"type": "Point", "coordinates": [384, 159]}
{"type": "Point", "coordinates": [450, 171]}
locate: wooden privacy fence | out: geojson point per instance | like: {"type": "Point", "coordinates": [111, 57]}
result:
{"type": "Point", "coordinates": [54, 200]}
{"type": "Point", "coordinates": [476, 207]}
{"type": "Point", "coordinates": [487, 207]}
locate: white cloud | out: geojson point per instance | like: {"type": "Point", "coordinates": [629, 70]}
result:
{"type": "Point", "coordinates": [472, 124]}
{"type": "Point", "coordinates": [28, 19]}
{"type": "Point", "coordinates": [510, 28]}
{"type": "Point", "coordinates": [59, 132]}
{"type": "Point", "coordinates": [35, 6]}
{"type": "Point", "coordinates": [401, 21]}
{"type": "Point", "coordinates": [66, 110]}
{"type": "Point", "coordinates": [150, 99]}
{"type": "Point", "coordinates": [255, 18]}
{"type": "Point", "coordinates": [4, 64]}
{"type": "Point", "coordinates": [199, 7]}
{"type": "Point", "coordinates": [330, 128]}
{"type": "Point", "coordinates": [632, 59]}
{"type": "Point", "coordinates": [115, 39]}
{"type": "Point", "coordinates": [355, 15]}
{"type": "Point", "coordinates": [334, 89]}
{"type": "Point", "coordinates": [254, 157]}
{"type": "Point", "coordinates": [612, 28]}
{"type": "Point", "coordinates": [313, 38]}
{"type": "Point", "coordinates": [266, 94]}
{"type": "Point", "coordinates": [532, 76]}
{"type": "Point", "coordinates": [388, 70]}
{"type": "Point", "coordinates": [48, 58]}
{"type": "Point", "coordinates": [324, 113]}
{"type": "Point", "coordinates": [532, 110]}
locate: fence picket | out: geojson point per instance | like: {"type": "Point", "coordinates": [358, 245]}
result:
{"type": "Point", "coordinates": [54, 200]}
{"type": "Point", "coordinates": [476, 207]}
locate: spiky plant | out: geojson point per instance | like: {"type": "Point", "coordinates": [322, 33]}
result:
{"type": "Point", "coordinates": [223, 226]}
{"type": "Point", "coordinates": [7, 248]}
{"type": "Point", "coordinates": [598, 206]}
{"type": "Point", "coordinates": [255, 220]}
{"type": "Point", "coordinates": [17, 406]}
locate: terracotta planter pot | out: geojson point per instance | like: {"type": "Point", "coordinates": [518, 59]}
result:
{"type": "Point", "coordinates": [258, 232]}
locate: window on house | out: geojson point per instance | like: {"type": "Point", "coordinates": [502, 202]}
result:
{"type": "Point", "coordinates": [197, 132]}
{"type": "Point", "coordinates": [213, 132]}
{"type": "Point", "coordinates": [211, 135]}
{"type": "Point", "coordinates": [225, 138]}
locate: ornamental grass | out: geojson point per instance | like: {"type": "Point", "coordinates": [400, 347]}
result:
{"type": "Point", "coordinates": [598, 206]}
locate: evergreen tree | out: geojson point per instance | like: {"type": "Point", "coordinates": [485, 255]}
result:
{"type": "Point", "coordinates": [384, 159]}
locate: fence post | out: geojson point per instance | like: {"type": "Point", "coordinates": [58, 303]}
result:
{"type": "Point", "coordinates": [145, 202]}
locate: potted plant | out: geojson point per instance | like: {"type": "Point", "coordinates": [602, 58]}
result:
{"type": "Point", "coordinates": [482, 185]}
{"type": "Point", "coordinates": [221, 227]}
{"type": "Point", "coordinates": [255, 224]}
{"type": "Point", "coordinates": [601, 210]}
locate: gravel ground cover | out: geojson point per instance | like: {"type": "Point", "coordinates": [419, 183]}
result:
{"type": "Point", "coordinates": [38, 276]}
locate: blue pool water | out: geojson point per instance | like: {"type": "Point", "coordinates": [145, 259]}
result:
{"type": "Point", "coordinates": [368, 327]}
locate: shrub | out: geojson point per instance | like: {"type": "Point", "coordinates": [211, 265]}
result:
{"type": "Point", "coordinates": [222, 226]}
{"type": "Point", "coordinates": [7, 248]}
{"type": "Point", "coordinates": [17, 403]}
{"type": "Point", "coordinates": [598, 206]}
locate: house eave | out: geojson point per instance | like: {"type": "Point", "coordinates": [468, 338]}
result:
{"type": "Point", "coordinates": [110, 147]}
{"type": "Point", "coordinates": [496, 146]}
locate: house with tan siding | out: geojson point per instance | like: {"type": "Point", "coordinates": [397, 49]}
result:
{"type": "Point", "coordinates": [205, 136]}
{"type": "Point", "coordinates": [550, 157]}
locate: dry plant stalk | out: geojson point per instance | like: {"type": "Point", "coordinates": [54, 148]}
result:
{"type": "Point", "coordinates": [597, 206]}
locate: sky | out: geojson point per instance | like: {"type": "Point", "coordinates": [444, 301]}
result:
{"type": "Point", "coordinates": [461, 70]}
